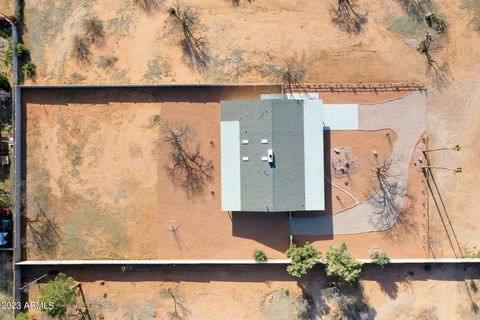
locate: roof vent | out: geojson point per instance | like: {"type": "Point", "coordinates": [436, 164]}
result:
{"type": "Point", "coordinates": [245, 158]}
{"type": "Point", "coordinates": [244, 141]}
{"type": "Point", "coordinates": [264, 141]}
{"type": "Point", "coordinates": [270, 155]}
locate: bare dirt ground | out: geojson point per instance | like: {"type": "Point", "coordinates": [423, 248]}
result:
{"type": "Point", "coordinates": [265, 32]}
{"type": "Point", "coordinates": [360, 183]}
{"type": "Point", "coordinates": [268, 292]}
{"type": "Point", "coordinates": [97, 185]}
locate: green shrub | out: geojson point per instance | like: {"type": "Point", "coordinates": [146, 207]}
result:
{"type": "Point", "coordinates": [30, 70]}
{"type": "Point", "coordinates": [4, 83]}
{"type": "Point", "coordinates": [303, 259]}
{"type": "Point", "coordinates": [381, 258]}
{"type": "Point", "coordinates": [437, 22]}
{"type": "Point", "coordinates": [22, 316]}
{"type": "Point", "coordinates": [58, 292]}
{"type": "Point", "coordinates": [21, 50]}
{"type": "Point", "coordinates": [259, 256]}
{"type": "Point", "coordinates": [341, 264]}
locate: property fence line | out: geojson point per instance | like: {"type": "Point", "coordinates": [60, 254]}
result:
{"type": "Point", "coordinates": [360, 87]}
{"type": "Point", "coordinates": [317, 87]}
{"type": "Point", "coordinates": [223, 262]}
{"type": "Point", "coordinates": [17, 165]}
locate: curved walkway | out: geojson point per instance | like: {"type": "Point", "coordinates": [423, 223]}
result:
{"type": "Point", "coordinates": [407, 116]}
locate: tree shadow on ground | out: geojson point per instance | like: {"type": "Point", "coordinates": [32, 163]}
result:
{"type": "Point", "coordinates": [185, 23]}
{"type": "Point", "coordinates": [346, 16]}
{"type": "Point", "coordinates": [43, 230]}
{"type": "Point", "coordinates": [150, 7]}
{"type": "Point", "coordinates": [416, 9]}
{"type": "Point", "coordinates": [186, 167]}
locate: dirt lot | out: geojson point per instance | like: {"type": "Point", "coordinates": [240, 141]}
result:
{"type": "Point", "coordinates": [97, 185]}
{"type": "Point", "coordinates": [268, 292]}
{"type": "Point", "coordinates": [384, 50]}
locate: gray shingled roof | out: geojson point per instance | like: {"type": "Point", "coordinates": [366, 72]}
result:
{"type": "Point", "coordinates": [267, 187]}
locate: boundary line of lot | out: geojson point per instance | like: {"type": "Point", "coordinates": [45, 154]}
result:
{"type": "Point", "coordinates": [222, 262]}
{"type": "Point", "coordinates": [17, 179]}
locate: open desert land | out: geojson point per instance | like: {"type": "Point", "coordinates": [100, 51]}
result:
{"type": "Point", "coordinates": [268, 292]}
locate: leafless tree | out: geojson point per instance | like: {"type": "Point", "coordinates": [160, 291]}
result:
{"type": "Point", "coordinates": [81, 49]}
{"type": "Point", "coordinates": [291, 72]}
{"type": "Point", "coordinates": [345, 14]}
{"type": "Point", "coordinates": [42, 228]}
{"type": "Point", "coordinates": [189, 168]}
{"type": "Point", "coordinates": [185, 23]}
{"type": "Point", "coordinates": [441, 73]}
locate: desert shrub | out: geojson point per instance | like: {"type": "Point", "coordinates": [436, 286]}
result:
{"type": "Point", "coordinates": [303, 259]}
{"type": "Point", "coordinates": [22, 316]}
{"type": "Point", "coordinates": [467, 253]}
{"type": "Point", "coordinates": [259, 256]}
{"type": "Point", "coordinates": [107, 62]}
{"type": "Point", "coordinates": [341, 264]}
{"type": "Point", "coordinates": [4, 83]}
{"type": "Point", "coordinates": [30, 70]}
{"type": "Point", "coordinates": [158, 68]}
{"type": "Point", "coordinates": [7, 53]}
{"type": "Point", "coordinates": [76, 77]}
{"type": "Point", "coordinates": [58, 292]}
{"type": "Point", "coordinates": [81, 49]}
{"type": "Point", "coordinates": [474, 6]}
{"type": "Point", "coordinates": [21, 50]}
{"type": "Point", "coordinates": [380, 257]}
{"type": "Point", "coordinates": [437, 22]}
{"type": "Point", "coordinates": [94, 30]}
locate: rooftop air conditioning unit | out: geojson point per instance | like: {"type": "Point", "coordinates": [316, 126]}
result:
{"type": "Point", "coordinates": [270, 155]}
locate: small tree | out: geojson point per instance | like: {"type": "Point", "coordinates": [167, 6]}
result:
{"type": "Point", "coordinates": [59, 292]}
{"type": "Point", "coordinates": [21, 50]}
{"type": "Point", "coordinates": [22, 316]}
{"type": "Point", "coordinates": [30, 70]}
{"type": "Point", "coordinates": [340, 263]}
{"type": "Point", "coordinates": [303, 259]}
{"type": "Point", "coordinates": [259, 256]}
{"type": "Point", "coordinates": [380, 257]}
{"type": "Point", "coordinates": [4, 83]}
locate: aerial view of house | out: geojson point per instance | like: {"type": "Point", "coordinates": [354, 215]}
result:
{"type": "Point", "coordinates": [239, 159]}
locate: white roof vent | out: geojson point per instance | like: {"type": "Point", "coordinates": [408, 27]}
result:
{"type": "Point", "coordinates": [264, 141]}
{"type": "Point", "coordinates": [245, 158]}
{"type": "Point", "coordinates": [244, 141]}
{"type": "Point", "coordinates": [270, 155]}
